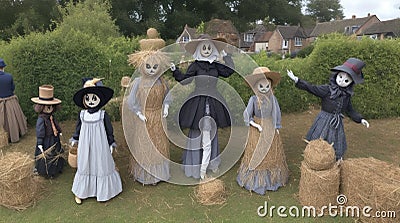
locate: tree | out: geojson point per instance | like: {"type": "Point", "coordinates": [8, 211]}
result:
{"type": "Point", "coordinates": [324, 10]}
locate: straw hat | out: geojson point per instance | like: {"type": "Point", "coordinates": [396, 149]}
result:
{"type": "Point", "coordinates": [261, 73]}
{"type": "Point", "coordinates": [219, 43]}
{"type": "Point", "coordinates": [93, 86]}
{"type": "Point", "coordinates": [46, 96]}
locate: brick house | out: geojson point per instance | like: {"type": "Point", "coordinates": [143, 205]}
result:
{"type": "Point", "coordinates": [288, 39]}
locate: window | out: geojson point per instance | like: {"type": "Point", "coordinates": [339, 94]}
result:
{"type": "Point", "coordinates": [285, 44]}
{"type": "Point", "coordinates": [374, 36]}
{"type": "Point", "coordinates": [354, 29]}
{"type": "Point", "coordinates": [298, 41]}
{"type": "Point", "coordinates": [185, 39]}
{"type": "Point", "coordinates": [248, 37]}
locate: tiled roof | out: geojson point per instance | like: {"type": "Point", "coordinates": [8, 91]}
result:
{"type": "Point", "coordinates": [338, 25]}
{"type": "Point", "coordinates": [388, 26]}
{"type": "Point", "coordinates": [263, 37]}
{"type": "Point", "coordinates": [289, 32]}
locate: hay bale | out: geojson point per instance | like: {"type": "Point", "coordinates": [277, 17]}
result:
{"type": "Point", "coordinates": [72, 156]}
{"type": "Point", "coordinates": [152, 33]}
{"type": "Point", "coordinates": [318, 188]}
{"type": "Point", "coordinates": [319, 155]}
{"type": "Point", "coordinates": [211, 191]}
{"type": "Point", "coordinates": [151, 44]}
{"type": "Point", "coordinates": [19, 188]}
{"type": "Point", "coordinates": [371, 182]}
{"type": "Point", "coordinates": [3, 138]}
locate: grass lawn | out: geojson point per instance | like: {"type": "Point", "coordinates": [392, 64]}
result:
{"type": "Point", "coordinates": [167, 202]}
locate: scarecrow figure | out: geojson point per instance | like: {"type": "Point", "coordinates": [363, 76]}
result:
{"type": "Point", "coordinates": [336, 101]}
{"type": "Point", "coordinates": [12, 119]}
{"type": "Point", "coordinates": [48, 162]}
{"type": "Point", "coordinates": [263, 164]}
{"type": "Point", "coordinates": [149, 102]}
{"type": "Point", "coordinates": [96, 174]}
{"type": "Point", "coordinates": [205, 110]}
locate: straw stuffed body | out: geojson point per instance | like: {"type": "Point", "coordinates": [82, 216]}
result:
{"type": "Point", "coordinates": [12, 118]}
{"type": "Point", "coordinates": [204, 103]}
{"type": "Point", "coordinates": [263, 165]}
{"type": "Point", "coordinates": [335, 102]}
{"type": "Point", "coordinates": [48, 160]}
{"type": "Point", "coordinates": [149, 102]}
{"type": "Point", "coordinates": [96, 174]}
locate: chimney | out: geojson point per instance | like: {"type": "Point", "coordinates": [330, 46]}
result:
{"type": "Point", "coordinates": [353, 16]}
{"type": "Point", "coordinates": [369, 14]}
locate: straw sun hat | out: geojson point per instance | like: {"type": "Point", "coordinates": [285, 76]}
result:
{"type": "Point", "coordinates": [260, 73]}
{"type": "Point", "coordinates": [46, 96]}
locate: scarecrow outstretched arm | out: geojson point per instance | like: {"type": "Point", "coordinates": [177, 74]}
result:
{"type": "Point", "coordinates": [185, 78]}
{"type": "Point", "coordinates": [109, 129]}
{"type": "Point", "coordinates": [317, 90]}
{"type": "Point", "coordinates": [226, 70]}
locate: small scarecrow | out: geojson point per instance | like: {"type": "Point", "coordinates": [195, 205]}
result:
{"type": "Point", "coordinates": [205, 109]}
{"type": "Point", "coordinates": [263, 164]}
{"type": "Point", "coordinates": [12, 118]}
{"type": "Point", "coordinates": [336, 101]}
{"type": "Point", "coordinates": [96, 175]}
{"type": "Point", "coordinates": [48, 160]}
{"type": "Point", "coordinates": [149, 102]}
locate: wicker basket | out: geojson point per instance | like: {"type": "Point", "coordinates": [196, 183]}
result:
{"type": "Point", "coordinates": [72, 160]}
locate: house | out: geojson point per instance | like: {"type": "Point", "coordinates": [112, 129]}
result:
{"type": "Point", "coordinates": [246, 39]}
{"type": "Point", "coordinates": [382, 30]}
{"type": "Point", "coordinates": [345, 26]}
{"type": "Point", "coordinates": [287, 39]}
{"type": "Point", "coordinates": [187, 35]}
{"type": "Point", "coordinates": [261, 42]}
{"type": "Point", "coordinates": [218, 28]}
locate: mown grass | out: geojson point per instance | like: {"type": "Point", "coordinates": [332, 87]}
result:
{"type": "Point", "coordinates": [167, 202]}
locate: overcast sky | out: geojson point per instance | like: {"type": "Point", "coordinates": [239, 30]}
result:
{"type": "Point", "coordinates": [383, 9]}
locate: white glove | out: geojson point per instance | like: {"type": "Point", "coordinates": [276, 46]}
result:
{"type": "Point", "coordinates": [255, 125]}
{"type": "Point", "coordinates": [165, 112]}
{"type": "Point", "coordinates": [41, 148]}
{"type": "Point", "coordinates": [292, 76]}
{"type": "Point", "coordinates": [112, 147]}
{"type": "Point", "coordinates": [141, 116]}
{"type": "Point", "coordinates": [277, 131]}
{"type": "Point", "coordinates": [365, 123]}
{"type": "Point", "coordinates": [223, 53]}
{"type": "Point", "coordinates": [173, 67]}
{"type": "Point", "coordinates": [60, 133]}
{"type": "Point", "coordinates": [72, 141]}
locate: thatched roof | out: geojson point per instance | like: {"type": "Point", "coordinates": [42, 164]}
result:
{"type": "Point", "coordinates": [389, 26]}
{"type": "Point", "coordinates": [215, 26]}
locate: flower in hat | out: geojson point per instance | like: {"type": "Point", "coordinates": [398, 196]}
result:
{"type": "Point", "coordinates": [94, 92]}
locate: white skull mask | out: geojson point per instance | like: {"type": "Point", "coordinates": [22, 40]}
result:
{"type": "Point", "coordinates": [91, 100]}
{"type": "Point", "coordinates": [206, 49]}
{"type": "Point", "coordinates": [264, 86]}
{"type": "Point", "coordinates": [48, 109]}
{"type": "Point", "coordinates": [151, 68]}
{"type": "Point", "coordinates": [343, 79]}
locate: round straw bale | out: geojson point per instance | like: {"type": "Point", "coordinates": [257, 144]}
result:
{"type": "Point", "coordinates": [72, 156]}
{"type": "Point", "coordinates": [151, 44]}
{"type": "Point", "coordinates": [152, 33]}
{"type": "Point", "coordinates": [318, 188]}
{"type": "Point", "coordinates": [211, 192]}
{"type": "Point", "coordinates": [19, 188]}
{"type": "Point", "coordinates": [319, 155]}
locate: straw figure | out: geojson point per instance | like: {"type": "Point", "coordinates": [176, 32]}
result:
{"type": "Point", "coordinates": [205, 104]}
{"type": "Point", "coordinates": [49, 161]}
{"type": "Point", "coordinates": [96, 174]}
{"type": "Point", "coordinates": [12, 119]}
{"type": "Point", "coordinates": [149, 104]}
{"type": "Point", "coordinates": [336, 100]}
{"type": "Point", "coordinates": [263, 164]}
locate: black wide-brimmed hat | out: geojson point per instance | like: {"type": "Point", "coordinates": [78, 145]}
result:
{"type": "Point", "coordinates": [352, 66]}
{"type": "Point", "coordinates": [219, 43]}
{"type": "Point", "coordinates": [93, 86]}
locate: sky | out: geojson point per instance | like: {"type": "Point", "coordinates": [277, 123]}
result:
{"type": "Point", "coordinates": [383, 9]}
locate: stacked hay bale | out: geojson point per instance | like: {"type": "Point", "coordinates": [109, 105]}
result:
{"type": "Point", "coordinates": [320, 175]}
{"type": "Point", "coordinates": [19, 188]}
{"type": "Point", "coordinates": [211, 191]}
{"type": "Point", "coordinates": [374, 183]}
{"type": "Point", "coordinates": [3, 138]}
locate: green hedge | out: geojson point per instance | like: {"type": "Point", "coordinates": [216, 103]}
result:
{"type": "Point", "coordinates": [62, 60]}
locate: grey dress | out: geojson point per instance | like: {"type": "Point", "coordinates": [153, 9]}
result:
{"type": "Point", "coordinates": [96, 175]}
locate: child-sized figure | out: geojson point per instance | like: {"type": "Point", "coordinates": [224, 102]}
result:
{"type": "Point", "coordinates": [48, 162]}
{"type": "Point", "coordinates": [204, 104]}
{"type": "Point", "coordinates": [149, 102]}
{"type": "Point", "coordinates": [336, 100]}
{"type": "Point", "coordinates": [96, 175]}
{"type": "Point", "coordinates": [263, 164]}
{"type": "Point", "coordinates": [12, 119]}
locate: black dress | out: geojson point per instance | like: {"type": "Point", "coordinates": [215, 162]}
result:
{"type": "Point", "coordinates": [205, 75]}
{"type": "Point", "coordinates": [53, 164]}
